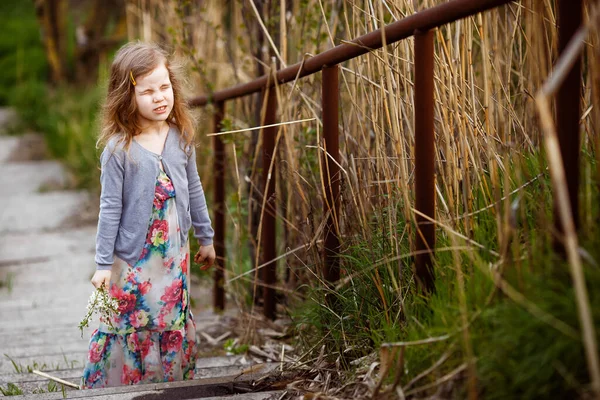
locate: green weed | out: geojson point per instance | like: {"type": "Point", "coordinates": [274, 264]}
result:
{"type": "Point", "coordinates": [11, 390]}
{"type": "Point", "coordinates": [522, 328]}
{"type": "Point", "coordinates": [231, 346]}
{"type": "Point", "coordinates": [22, 58]}
{"type": "Point", "coordinates": [7, 282]}
{"type": "Point", "coordinates": [50, 388]}
{"type": "Point", "coordinates": [20, 368]}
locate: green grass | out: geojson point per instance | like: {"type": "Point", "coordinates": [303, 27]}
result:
{"type": "Point", "coordinates": [22, 58]}
{"type": "Point", "coordinates": [526, 346]}
{"type": "Point", "coordinates": [21, 369]}
{"type": "Point", "coordinates": [50, 388]}
{"type": "Point", "coordinates": [11, 390]}
{"type": "Point", "coordinates": [67, 117]}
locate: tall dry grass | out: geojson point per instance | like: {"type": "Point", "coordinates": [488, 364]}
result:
{"type": "Point", "coordinates": [489, 156]}
{"type": "Point", "coordinates": [487, 69]}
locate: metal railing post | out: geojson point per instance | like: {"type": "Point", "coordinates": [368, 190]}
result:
{"type": "Point", "coordinates": [268, 241]}
{"type": "Point", "coordinates": [219, 160]}
{"type": "Point", "coordinates": [568, 107]}
{"type": "Point", "coordinates": [424, 160]}
{"type": "Point", "coordinates": [331, 172]}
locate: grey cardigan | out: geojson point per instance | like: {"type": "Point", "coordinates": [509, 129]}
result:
{"type": "Point", "coordinates": [128, 181]}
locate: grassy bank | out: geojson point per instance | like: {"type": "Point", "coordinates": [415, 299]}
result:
{"type": "Point", "coordinates": [503, 316]}
{"type": "Point", "coordinates": [64, 115]}
{"type": "Point", "coordinates": [22, 58]}
{"type": "Point", "coordinates": [67, 117]}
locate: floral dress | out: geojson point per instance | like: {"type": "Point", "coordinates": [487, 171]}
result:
{"type": "Point", "coordinates": [153, 337]}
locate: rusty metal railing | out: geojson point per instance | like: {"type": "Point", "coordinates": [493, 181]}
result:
{"type": "Point", "coordinates": [419, 25]}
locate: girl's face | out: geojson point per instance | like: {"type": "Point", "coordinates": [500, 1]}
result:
{"type": "Point", "coordinates": [154, 96]}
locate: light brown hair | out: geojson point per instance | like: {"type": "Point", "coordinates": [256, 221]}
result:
{"type": "Point", "coordinates": [119, 112]}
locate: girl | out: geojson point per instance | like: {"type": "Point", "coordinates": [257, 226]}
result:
{"type": "Point", "coordinates": [151, 195]}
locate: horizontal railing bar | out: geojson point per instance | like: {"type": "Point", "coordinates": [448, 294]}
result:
{"type": "Point", "coordinates": [430, 18]}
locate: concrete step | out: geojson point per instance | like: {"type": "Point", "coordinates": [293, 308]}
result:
{"type": "Point", "coordinates": [41, 211]}
{"type": "Point", "coordinates": [8, 145]}
{"type": "Point", "coordinates": [46, 286]}
{"type": "Point", "coordinates": [208, 367]}
{"type": "Point", "coordinates": [68, 346]}
{"type": "Point", "coordinates": [159, 394]}
{"type": "Point", "coordinates": [74, 355]}
{"type": "Point", "coordinates": [20, 248]}
{"type": "Point", "coordinates": [58, 360]}
{"type": "Point", "coordinates": [28, 146]}
{"type": "Point", "coordinates": [219, 371]}
{"type": "Point", "coordinates": [221, 388]}
{"type": "Point", "coordinates": [32, 177]}
{"type": "Point", "coordinates": [62, 360]}
{"type": "Point", "coordinates": [8, 118]}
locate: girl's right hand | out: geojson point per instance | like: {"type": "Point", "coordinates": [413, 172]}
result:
{"type": "Point", "coordinates": [101, 277]}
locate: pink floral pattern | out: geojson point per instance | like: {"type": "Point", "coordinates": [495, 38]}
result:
{"type": "Point", "coordinates": [153, 337]}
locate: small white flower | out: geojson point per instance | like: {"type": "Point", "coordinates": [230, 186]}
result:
{"type": "Point", "coordinates": [100, 302]}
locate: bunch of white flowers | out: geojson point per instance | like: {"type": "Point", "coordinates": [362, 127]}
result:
{"type": "Point", "coordinates": [102, 303]}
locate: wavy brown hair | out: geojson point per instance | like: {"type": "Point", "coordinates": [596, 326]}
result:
{"type": "Point", "coordinates": [119, 112]}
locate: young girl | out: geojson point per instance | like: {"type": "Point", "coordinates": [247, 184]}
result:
{"type": "Point", "coordinates": [151, 196]}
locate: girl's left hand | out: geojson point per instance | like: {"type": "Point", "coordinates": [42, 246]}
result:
{"type": "Point", "coordinates": [205, 257]}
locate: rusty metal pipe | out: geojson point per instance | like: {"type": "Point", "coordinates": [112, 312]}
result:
{"type": "Point", "coordinates": [424, 160]}
{"type": "Point", "coordinates": [330, 93]}
{"type": "Point", "coordinates": [568, 109]}
{"type": "Point", "coordinates": [219, 161]}
{"type": "Point", "coordinates": [268, 241]}
{"type": "Point", "coordinates": [423, 20]}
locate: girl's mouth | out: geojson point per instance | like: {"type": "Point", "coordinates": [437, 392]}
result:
{"type": "Point", "coordinates": [161, 109]}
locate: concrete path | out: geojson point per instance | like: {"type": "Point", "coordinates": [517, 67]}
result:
{"type": "Point", "coordinates": [44, 268]}
{"type": "Point", "coordinates": [46, 262]}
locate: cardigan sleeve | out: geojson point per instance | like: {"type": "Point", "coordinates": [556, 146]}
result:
{"type": "Point", "coordinates": [203, 230]}
{"type": "Point", "coordinates": [111, 206]}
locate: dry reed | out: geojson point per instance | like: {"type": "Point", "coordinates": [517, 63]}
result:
{"type": "Point", "coordinates": [487, 69]}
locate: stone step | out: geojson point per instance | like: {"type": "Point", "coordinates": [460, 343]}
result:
{"type": "Point", "coordinates": [27, 146]}
{"type": "Point", "coordinates": [8, 118]}
{"type": "Point", "coordinates": [216, 375]}
{"type": "Point", "coordinates": [20, 248]}
{"type": "Point", "coordinates": [62, 360]}
{"type": "Point", "coordinates": [42, 284]}
{"type": "Point", "coordinates": [59, 360]}
{"type": "Point", "coordinates": [18, 320]}
{"type": "Point", "coordinates": [13, 308]}
{"type": "Point", "coordinates": [47, 315]}
{"type": "Point", "coordinates": [209, 367]}
{"type": "Point", "coordinates": [37, 390]}
{"type": "Point", "coordinates": [230, 387]}
{"type": "Point", "coordinates": [52, 330]}
{"type": "Point", "coordinates": [40, 211]}
{"type": "Point", "coordinates": [158, 395]}
{"type": "Point", "coordinates": [32, 177]}
{"type": "Point", "coordinates": [16, 343]}
{"type": "Point", "coordinates": [19, 304]}
{"type": "Point", "coordinates": [31, 345]}
{"type": "Point", "coordinates": [70, 345]}
{"type": "Point", "coordinates": [8, 145]}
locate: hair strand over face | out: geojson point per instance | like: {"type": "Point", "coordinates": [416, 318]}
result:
{"type": "Point", "coordinates": [119, 111]}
